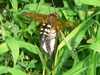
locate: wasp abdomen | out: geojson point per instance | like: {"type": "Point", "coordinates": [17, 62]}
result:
{"type": "Point", "coordinates": [44, 31]}
{"type": "Point", "coordinates": [48, 38]}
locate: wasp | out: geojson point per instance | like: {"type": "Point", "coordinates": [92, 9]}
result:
{"type": "Point", "coordinates": [49, 29]}
{"type": "Point", "coordinates": [48, 34]}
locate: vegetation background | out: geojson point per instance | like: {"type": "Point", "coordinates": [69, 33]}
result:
{"type": "Point", "coordinates": [77, 50]}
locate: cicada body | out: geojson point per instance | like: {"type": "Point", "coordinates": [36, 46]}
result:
{"type": "Point", "coordinates": [48, 34]}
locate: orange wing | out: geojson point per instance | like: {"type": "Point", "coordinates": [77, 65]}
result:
{"type": "Point", "coordinates": [61, 23]}
{"type": "Point", "coordinates": [34, 15]}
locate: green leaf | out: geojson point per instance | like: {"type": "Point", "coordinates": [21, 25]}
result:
{"type": "Point", "coordinates": [13, 45]}
{"type": "Point", "coordinates": [65, 3]}
{"type": "Point", "coordinates": [32, 64]}
{"type": "Point", "coordinates": [93, 61]}
{"type": "Point", "coordinates": [68, 13]}
{"type": "Point", "coordinates": [76, 70]}
{"type": "Point", "coordinates": [21, 57]}
{"type": "Point", "coordinates": [74, 38]}
{"type": "Point", "coordinates": [3, 48]}
{"type": "Point", "coordinates": [14, 4]}
{"type": "Point", "coordinates": [13, 71]}
{"type": "Point", "coordinates": [25, 0]}
{"type": "Point", "coordinates": [28, 46]}
{"type": "Point", "coordinates": [15, 30]}
{"type": "Point", "coordinates": [77, 34]}
{"type": "Point", "coordinates": [98, 35]}
{"type": "Point", "coordinates": [24, 64]}
{"type": "Point", "coordinates": [40, 10]}
{"type": "Point", "coordinates": [31, 27]}
{"type": "Point", "coordinates": [1, 18]}
{"type": "Point", "coordinates": [3, 31]}
{"type": "Point", "coordinates": [43, 62]}
{"type": "Point", "coordinates": [41, 1]}
{"type": "Point", "coordinates": [90, 2]}
{"type": "Point", "coordinates": [96, 45]}
{"type": "Point", "coordinates": [34, 1]}
{"type": "Point", "coordinates": [3, 69]}
{"type": "Point", "coordinates": [18, 44]}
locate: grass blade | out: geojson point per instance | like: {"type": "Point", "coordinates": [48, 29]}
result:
{"type": "Point", "coordinates": [96, 45]}
{"type": "Point", "coordinates": [78, 68]}
{"type": "Point", "coordinates": [77, 34]}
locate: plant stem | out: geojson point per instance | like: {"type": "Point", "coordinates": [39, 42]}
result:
{"type": "Point", "coordinates": [67, 43]}
{"type": "Point", "coordinates": [45, 59]}
{"type": "Point", "coordinates": [53, 73]}
{"type": "Point", "coordinates": [43, 70]}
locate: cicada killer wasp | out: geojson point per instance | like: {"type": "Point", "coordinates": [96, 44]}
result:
{"type": "Point", "coordinates": [48, 34]}
{"type": "Point", "coordinates": [49, 30]}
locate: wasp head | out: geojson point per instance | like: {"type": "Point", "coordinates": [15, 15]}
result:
{"type": "Point", "coordinates": [52, 18]}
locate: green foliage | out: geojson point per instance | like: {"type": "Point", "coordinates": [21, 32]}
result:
{"type": "Point", "coordinates": [12, 71]}
{"type": "Point", "coordinates": [12, 44]}
{"type": "Point", "coordinates": [77, 51]}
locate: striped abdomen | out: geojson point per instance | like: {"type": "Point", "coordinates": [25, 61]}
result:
{"type": "Point", "coordinates": [48, 38]}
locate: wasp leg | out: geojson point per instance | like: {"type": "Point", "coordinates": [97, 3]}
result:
{"type": "Point", "coordinates": [57, 27]}
{"type": "Point", "coordinates": [43, 21]}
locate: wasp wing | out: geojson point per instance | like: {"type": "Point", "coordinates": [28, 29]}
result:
{"type": "Point", "coordinates": [63, 24]}
{"type": "Point", "coordinates": [33, 15]}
